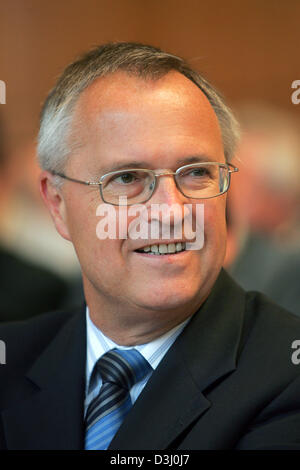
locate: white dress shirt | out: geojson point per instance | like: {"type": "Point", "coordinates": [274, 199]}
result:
{"type": "Point", "coordinates": [98, 344]}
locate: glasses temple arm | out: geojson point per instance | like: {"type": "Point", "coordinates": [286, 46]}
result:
{"type": "Point", "coordinates": [232, 169]}
{"type": "Point", "coordinates": [88, 183]}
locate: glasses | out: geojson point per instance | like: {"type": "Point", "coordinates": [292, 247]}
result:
{"type": "Point", "coordinates": [136, 185]}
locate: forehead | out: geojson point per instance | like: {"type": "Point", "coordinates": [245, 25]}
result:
{"type": "Point", "coordinates": [130, 113]}
{"type": "Point", "coordinates": [124, 91]}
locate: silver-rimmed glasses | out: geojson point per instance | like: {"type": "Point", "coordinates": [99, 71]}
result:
{"type": "Point", "coordinates": [203, 180]}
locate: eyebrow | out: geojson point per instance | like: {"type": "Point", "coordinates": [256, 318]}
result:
{"type": "Point", "coordinates": [143, 164]}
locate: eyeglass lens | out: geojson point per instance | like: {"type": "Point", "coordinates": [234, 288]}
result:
{"type": "Point", "coordinates": [201, 181]}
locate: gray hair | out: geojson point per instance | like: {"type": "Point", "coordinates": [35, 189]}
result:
{"type": "Point", "coordinates": [138, 59]}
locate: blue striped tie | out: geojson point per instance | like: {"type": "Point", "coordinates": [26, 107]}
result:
{"type": "Point", "coordinates": [120, 370]}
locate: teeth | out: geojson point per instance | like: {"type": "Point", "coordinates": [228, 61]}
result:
{"type": "Point", "coordinates": [171, 248]}
{"type": "Point", "coordinates": [164, 248]}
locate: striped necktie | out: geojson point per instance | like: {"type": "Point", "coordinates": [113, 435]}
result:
{"type": "Point", "coordinates": [119, 370]}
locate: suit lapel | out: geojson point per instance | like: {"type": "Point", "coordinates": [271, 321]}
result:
{"type": "Point", "coordinates": [204, 353]}
{"type": "Point", "coordinates": [173, 399]}
{"type": "Point", "coordinates": [51, 417]}
{"type": "Point", "coordinates": [168, 404]}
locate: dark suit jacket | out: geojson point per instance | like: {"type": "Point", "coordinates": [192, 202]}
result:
{"type": "Point", "coordinates": [26, 289]}
{"type": "Point", "coordinates": [228, 381]}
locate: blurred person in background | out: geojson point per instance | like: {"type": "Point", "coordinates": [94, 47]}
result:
{"type": "Point", "coordinates": [263, 217]}
{"type": "Point", "coordinates": [26, 227]}
{"type": "Point", "coordinates": [26, 287]}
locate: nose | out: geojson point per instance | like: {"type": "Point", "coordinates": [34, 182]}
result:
{"type": "Point", "coordinates": [166, 206]}
{"type": "Point", "coordinates": [166, 191]}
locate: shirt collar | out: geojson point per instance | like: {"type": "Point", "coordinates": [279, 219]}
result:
{"type": "Point", "coordinates": [98, 344]}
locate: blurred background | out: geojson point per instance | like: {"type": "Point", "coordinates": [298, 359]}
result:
{"type": "Point", "coordinates": [249, 50]}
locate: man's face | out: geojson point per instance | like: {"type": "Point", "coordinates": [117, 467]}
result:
{"type": "Point", "coordinates": [161, 124]}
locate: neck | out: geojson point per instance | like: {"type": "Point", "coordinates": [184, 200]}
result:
{"type": "Point", "coordinates": [132, 325]}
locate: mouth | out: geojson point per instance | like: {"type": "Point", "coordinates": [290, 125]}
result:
{"type": "Point", "coordinates": [162, 249]}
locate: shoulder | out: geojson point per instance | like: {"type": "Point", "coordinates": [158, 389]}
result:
{"type": "Point", "coordinates": [269, 337]}
{"type": "Point", "coordinates": [268, 374]}
{"type": "Point", "coordinates": [25, 340]}
{"type": "Point", "coordinates": [27, 289]}
{"type": "Point", "coordinates": [264, 332]}
{"type": "Point", "coordinates": [261, 311]}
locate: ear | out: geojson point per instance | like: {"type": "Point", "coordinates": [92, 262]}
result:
{"type": "Point", "coordinates": [54, 200]}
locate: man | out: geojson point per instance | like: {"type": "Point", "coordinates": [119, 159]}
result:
{"type": "Point", "coordinates": [205, 365]}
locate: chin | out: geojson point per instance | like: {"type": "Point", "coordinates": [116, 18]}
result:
{"type": "Point", "coordinates": [168, 299]}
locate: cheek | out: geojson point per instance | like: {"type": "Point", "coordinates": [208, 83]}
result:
{"type": "Point", "coordinates": [215, 224]}
{"type": "Point", "coordinates": [83, 222]}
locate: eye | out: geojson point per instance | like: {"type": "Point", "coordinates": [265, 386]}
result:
{"type": "Point", "coordinates": [126, 178]}
{"type": "Point", "coordinates": [199, 172]}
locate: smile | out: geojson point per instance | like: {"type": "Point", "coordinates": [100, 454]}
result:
{"type": "Point", "coordinates": [163, 249]}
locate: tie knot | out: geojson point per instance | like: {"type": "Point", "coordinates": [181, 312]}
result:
{"type": "Point", "coordinates": [124, 367]}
